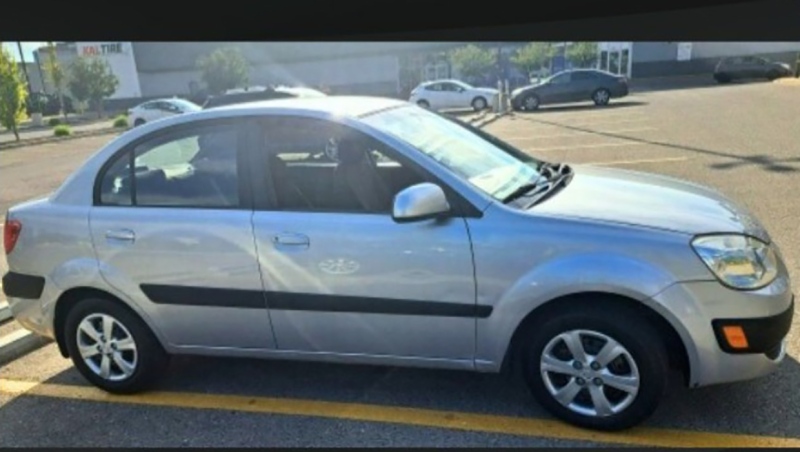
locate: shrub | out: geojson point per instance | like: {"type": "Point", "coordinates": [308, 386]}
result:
{"type": "Point", "coordinates": [120, 121]}
{"type": "Point", "coordinates": [62, 130]}
{"type": "Point", "coordinates": [54, 122]}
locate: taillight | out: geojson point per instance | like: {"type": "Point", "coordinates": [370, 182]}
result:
{"type": "Point", "coordinates": [11, 231]}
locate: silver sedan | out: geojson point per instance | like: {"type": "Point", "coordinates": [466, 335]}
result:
{"type": "Point", "coordinates": [373, 231]}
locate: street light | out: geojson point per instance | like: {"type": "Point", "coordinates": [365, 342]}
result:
{"type": "Point", "coordinates": [24, 66]}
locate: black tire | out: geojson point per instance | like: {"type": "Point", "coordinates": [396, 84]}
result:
{"type": "Point", "coordinates": [601, 97]}
{"type": "Point", "coordinates": [151, 360]}
{"type": "Point", "coordinates": [479, 103]}
{"type": "Point", "coordinates": [628, 329]}
{"type": "Point", "coordinates": [773, 75]}
{"type": "Point", "coordinates": [424, 104]}
{"type": "Point", "coordinates": [722, 78]}
{"type": "Point", "coordinates": [138, 122]}
{"type": "Point", "coordinates": [530, 102]}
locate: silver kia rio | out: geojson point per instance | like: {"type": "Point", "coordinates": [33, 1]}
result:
{"type": "Point", "coordinates": [372, 231]}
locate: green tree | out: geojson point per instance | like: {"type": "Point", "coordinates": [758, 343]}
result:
{"type": "Point", "coordinates": [533, 56]}
{"type": "Point", "coordinates": [56, 74]}
{"type": "Point", "coordinates": [12, 93]}
{"type": "Point", "coordinates": [223, 69]}
{"type": "Point", "coordinates": [582, 54]}
{"type": "Point", "coordinates": [91, 80]}
{"type": "Point", "coordinates": [472, 61]}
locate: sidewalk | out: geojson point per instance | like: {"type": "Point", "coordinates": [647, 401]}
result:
{"type": "Point", "coordinates": [45, 134]}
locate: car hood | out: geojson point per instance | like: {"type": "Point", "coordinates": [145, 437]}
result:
{"type": "Point", "coordinates": [649, 200]}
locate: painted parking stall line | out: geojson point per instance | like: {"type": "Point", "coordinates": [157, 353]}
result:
{"type": "Point", "coordinates": [575, 134]}
{"type": "Point", "coordinates": [453, 420]}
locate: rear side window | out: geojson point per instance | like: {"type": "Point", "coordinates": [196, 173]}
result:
{"type": "Point", "coordinates": [192, 168]}
{"type": "Point", "coordinates": [583, 76]}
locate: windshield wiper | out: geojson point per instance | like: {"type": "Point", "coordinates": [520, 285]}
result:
{"type": "Point", "coordinates": [522, 190]}
{"type": "Point", "coordinates": [552, 187]}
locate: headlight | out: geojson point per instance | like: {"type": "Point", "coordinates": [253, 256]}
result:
{"type": "Point", "coordinates": [739, 261]}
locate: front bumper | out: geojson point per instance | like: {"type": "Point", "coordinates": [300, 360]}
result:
{"type": "Point", "coordinates": [700, 310]}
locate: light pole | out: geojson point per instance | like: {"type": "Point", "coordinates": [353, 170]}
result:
{"type": "Point", "coordinates": [24, 66]}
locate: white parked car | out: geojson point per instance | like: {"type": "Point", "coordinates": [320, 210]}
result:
{"type": "Point", "coordinates": [159, 108]}
{"type": "Point", "coordinates": [442, 94]}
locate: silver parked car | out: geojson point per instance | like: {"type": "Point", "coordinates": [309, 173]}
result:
{"type": "Point", "coordinates": [367, 230]}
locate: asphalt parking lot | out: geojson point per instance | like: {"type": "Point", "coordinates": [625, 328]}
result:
{"type": "Point", "coordinates": [742, 139]}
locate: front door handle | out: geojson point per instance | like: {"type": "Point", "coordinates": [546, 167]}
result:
{"type": "Point", "coordinates": [123, 235]}
{"type": "Point", "coordinates": [290, 239]}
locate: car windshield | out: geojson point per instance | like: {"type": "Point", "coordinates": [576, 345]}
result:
{"type": "Point", "coordinates": [489, 164]}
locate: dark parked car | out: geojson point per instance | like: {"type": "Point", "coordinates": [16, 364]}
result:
{"type": "Point", "coordinates": [255, 95]}
{"type": "Point", "coordinates": [750, 67]}
{"type": "Point", "coordinates": [575, 85]}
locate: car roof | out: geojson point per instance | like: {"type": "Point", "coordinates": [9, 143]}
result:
{"type": "Point", "coordinates": [353, 106]}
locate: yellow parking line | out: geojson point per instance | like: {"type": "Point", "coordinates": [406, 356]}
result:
{"type": "Point", "coordinates": [486, 423]}
{"type": "Point", "coordinates": [586, 146]}
{"type": "Point", "coordinates": [636, 162]}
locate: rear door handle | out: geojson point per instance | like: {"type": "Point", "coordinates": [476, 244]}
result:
{"type": "Point", "coordinates": [123, 235]}
{"type": "Point", "coordinates": [290, 239]}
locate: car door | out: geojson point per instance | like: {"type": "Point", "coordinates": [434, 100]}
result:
{"type": "Point", "coordinates": [436, 96]}
{"type": "Point", "coordinates": [175, 235]}
{"type": "Point", "coordinates": [556, 89]}
{"type": "Point", "coordinates": [457, 96]}
{"type": "Point", "coordinates": [341, 279]}
{"type": "Point", "coordinates": [582, 85]}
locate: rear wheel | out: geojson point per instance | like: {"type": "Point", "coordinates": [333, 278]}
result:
{"type": "Point", "coordinates": [722, 78]}
{"type": "Point", "coordinates": [773, 75]}
{"type": "Point", "coordinates": [112, 347]}
{"type": "Point", "coordinates": [138, 122]}
{"type": "Point", "coordinates": [601, 97]}
{"type": "Point", "coordinates": [596, 367]}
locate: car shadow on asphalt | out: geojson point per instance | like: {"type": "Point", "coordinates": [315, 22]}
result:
{"type": "Point", "coordinates": [766, 162]}
{"type": "Point", "coordinates": [564, 108]}
{"type": "Point", "coordinates": [764, 406]}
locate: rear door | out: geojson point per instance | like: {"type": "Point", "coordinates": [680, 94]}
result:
{"type": "Point", "coordinates": [581, 86]}
{"type": "Point", "coordinates": [436, 96]}
{"type": "Point", "coordinates": [175, 235]}
{"type": "Point", "coordinates": [558, 89]}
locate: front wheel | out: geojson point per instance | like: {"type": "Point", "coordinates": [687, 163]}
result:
{"type": "Point", "coordinates": [112, 347]}
{"type": "Point", "coordinates": [138, 122]}
{"type": "Point", "coordinates": [479, 104]}
{"type": "Point", "coordinates": [424, 104]}
{"type": "Point", "coordinates": [596, 367]}
{"type": "Point", "coordinates": [530, 102]}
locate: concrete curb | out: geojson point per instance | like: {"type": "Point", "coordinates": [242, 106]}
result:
{"type": "Point", "coordinates": [5, 311]}
{"type": "Point", "coordinates": [490, 119]}
{"type": "Point", "coordinates": [54, 139]}
{"type": "Point", "coordinates": [788, 81]}
{"type": "Point", "coordinates": [19, 343]}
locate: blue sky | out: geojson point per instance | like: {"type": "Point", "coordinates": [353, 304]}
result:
{"type": "Point", "coordinates": [27, 48]}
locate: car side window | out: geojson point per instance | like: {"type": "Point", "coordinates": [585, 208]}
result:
{"type": "Point", "coordinates": [561, 79]}
{"type": "Point", "coordinates": [434, 87]}
{"type": "Point", "coordinates": [316, 165]}
{"type": "Point", "coordinates": [191, 168]}
{"type": "Point", "coordinates": [583, 76]}
{"type": "Point", "coordinates": [451, 87]}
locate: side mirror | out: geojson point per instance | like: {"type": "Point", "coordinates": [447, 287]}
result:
{"type": "Point", "coordinates": [420, 202]}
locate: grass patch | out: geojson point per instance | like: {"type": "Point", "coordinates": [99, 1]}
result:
{"type": "Point", "coordinates": [62, 130]}
{"type": "Point", "coordinates": [120, 121]}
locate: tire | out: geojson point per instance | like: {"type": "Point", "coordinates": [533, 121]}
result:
{"type": "Point", "coordinates": [641, 345]}
{"type": "Point", "coordinates": [479, 103]}
{"type": "Point", "coordinates": [773, 75]}
{"type": "Point", "coordinates": [530, 102]}
{"type": "Point", "coordinates": [601, 97]}
{"type": "Point", "coordinates": [722, 78]}
{"type": "Point", "coordinates": [424, 104]}
{"type": "Point", "coordinates": [147, 359]}
{"type": "Point", "coordinates": [138, 122]}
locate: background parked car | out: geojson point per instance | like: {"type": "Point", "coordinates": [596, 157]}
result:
{"type": "Point", "coordinates": [439, 94]}
{"type": "Point", "coordinates": [253, 94]}
{"type": "Point", "coordinates": [574, 85]}
{"type": "Point", "coordinates": [749, 67]}
{"type": "Point", "coordinates": [159, 108]}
